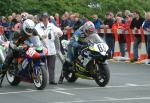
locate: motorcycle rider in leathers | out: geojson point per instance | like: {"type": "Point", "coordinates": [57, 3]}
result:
{"type": "Point", "coordinates": [18, 38]}
{"type": "Point", "coordinates": [78, 41]}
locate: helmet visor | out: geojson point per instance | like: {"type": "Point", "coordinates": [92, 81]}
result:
{"type": "Point", "coordinates": [29, 30]}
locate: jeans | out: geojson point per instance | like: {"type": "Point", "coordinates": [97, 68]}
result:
{"type": "Point", "coordinates": [72, 49]}
{"type": "Point", "coordinates": [136, 46]}
{"type": "Point", "coordinates": [111, 44]}
{"type": "Point", "coordinates": [122, 49]}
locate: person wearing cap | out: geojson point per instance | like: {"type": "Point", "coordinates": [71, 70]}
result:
{"type": "Point", "coordinates": [48, 32]}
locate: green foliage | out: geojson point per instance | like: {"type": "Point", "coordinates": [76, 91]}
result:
{"type": "Point", "coordinates": [81, 6]}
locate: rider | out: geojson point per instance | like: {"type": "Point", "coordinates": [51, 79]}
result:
{"type": "Point", "coordinates": [78, 41]}
{"type": "Point", "coordinates": [14, 46]}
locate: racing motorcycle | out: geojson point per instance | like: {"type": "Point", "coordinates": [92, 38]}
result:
{"type": "Point", "coordinates": [30, 66]}
{"type": "Point", "coordinates": [90, 63]}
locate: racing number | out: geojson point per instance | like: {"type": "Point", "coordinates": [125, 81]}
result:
{"type": "Point", "coordinates": [30, 52]}
{"type": "Point", "coordinates": [101, 47]}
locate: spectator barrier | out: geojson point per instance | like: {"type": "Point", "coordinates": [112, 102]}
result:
{"type": "Point", "coordinates": [116, 32]}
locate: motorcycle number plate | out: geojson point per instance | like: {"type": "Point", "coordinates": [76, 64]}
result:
{"type": "Point", "coordinates": [102, 47]}
{"type": "Point", "coordinates": [30, 52]}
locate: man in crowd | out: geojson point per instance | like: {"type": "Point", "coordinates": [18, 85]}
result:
{"type": "Point", "coordinates": [108, 22]}
{"type": "Point", "coordinates": [48, 31]}
{"type": "Point", "coordinates": [136, 25]}
{"type": "Point", "coordinates": [146, 27]}
{"type": "Point", "coordinates": [98, 24]}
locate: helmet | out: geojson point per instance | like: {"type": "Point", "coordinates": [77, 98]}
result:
{"type": "Point", "coordinates": [89, 27]}
{"type": "Point", "coordinates": [28, 26]}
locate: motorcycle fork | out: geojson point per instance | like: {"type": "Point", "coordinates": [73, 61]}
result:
{"type": "Point", "coordinates": [35, 67]}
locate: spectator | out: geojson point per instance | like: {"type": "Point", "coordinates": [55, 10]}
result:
{"type": "Point", "coordinates": [6, 27]}
{"type": "Point", "coordinates": [128, 19]}
{"type": "Point", "coordinates": [57, 19]}
{"type": "Point", "coordinates": [119, 14]}
{"type": "Point", "coordinates": [122, 42]}
{"type": "Point", "coordinates": [0, 20]}
{"type": "Point", "coordinates": [10, 24]}
{"type": "Point", "coordinates": [17, 25]}
{"type": "Point", "coordinates": [47, 31]}
{"type": "Point", "coordinates": [77, 24]}
{"type": "Point", "coordinates": [136, 25]}
{"type": "Point", "coordinates": [98, 24]}
{"type": "Point", "coordinates": [110, 36]}
{"type": "Point", "coordinates": [71, 21]}
{"type": "Point", "coordinates": [14, 20]}
{"type": "Point", "coordinates": [146, 27]}
{"type": "Point", "coordinates": [52, 20]}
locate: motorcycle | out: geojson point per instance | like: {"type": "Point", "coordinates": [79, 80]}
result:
{"type": "Point", "coordinates": [90, 63]}
{"type": "Point", "coordinates": [30, 66]}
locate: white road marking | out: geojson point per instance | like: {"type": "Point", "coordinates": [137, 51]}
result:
{"type": "Point", "coordinates": [62, 92]}
{"type": "Point", "coordinates": [58, 88]}
{"type": "Point", "coordinates": [108, 99]}
{"type": "Point", "coordinates": [27, 91]}
{"type": "Point", "coordinates": [128, 85]}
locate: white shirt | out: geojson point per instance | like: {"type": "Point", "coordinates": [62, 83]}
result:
{"type": "Point", "coordinates": [44, 33]}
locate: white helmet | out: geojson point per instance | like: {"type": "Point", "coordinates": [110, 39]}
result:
{"type": "Point", "coordinates": [28, 26]}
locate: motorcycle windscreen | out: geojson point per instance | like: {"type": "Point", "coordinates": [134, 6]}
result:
{"type": "Point", "coordinates": [95, 38]}
{"type": "Point", "coordinates": [35, 41]}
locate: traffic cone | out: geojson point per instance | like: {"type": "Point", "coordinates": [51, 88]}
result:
{"type": "Point", "coordinates": [131, 56]}
{"type": "Point", "coordinates": [117, 47]}
{"type": "Point", "coordinates": [143, 54]}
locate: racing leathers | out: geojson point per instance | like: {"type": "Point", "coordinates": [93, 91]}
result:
{"type": "Point", "coordinates": [77, 41]}
{"type": "Point", "coordinates": [14, 48]}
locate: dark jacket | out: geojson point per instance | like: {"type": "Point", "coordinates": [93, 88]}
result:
{"type": "Point", "coordinates": [109, 22]}
{"type": "Point", "coordinates": [77, 25]}
{"type": "Point", "coordinates": [137, 23]}
{"type": "Point", "coordinates": [146, 25]}
{"type": "Point", "coordinates": [97, 23]}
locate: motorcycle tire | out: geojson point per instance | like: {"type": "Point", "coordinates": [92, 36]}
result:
{"type": "Point", "coordinates": [102, 75]}
{"type": "Point", "coordinates": [12, 79]}
{"type": "Point", "coordinates": [41, 82]}
{"type": "Point", "coordinates": [71, 77]}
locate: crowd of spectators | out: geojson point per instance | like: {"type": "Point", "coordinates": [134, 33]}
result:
{"type": "Point", "coordinates": [70, 21]}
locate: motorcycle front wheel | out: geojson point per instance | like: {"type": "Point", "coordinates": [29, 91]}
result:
{"type": "Point", "coordinates": [40, 80]}
{"type": "Point", "coordinates": [102, 75]}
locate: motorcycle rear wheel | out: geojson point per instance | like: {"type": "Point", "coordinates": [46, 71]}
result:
{"type": "Point", "coordinates": [12, 79]}
{"type": "Point", "coordinates": [69, 74]}
{"type": "Point", "coordinates": [71, 77]}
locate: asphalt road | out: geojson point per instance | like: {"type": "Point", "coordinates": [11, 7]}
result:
{"type": "Point", "coordinates": [129, 83]}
